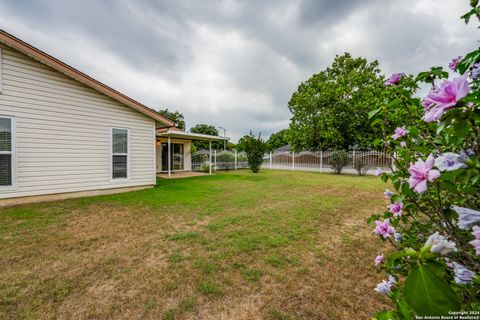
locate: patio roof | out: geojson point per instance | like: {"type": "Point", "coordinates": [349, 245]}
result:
{"type": "Point", "coordinates": [190, 136]}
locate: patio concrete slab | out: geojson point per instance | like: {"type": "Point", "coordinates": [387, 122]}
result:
{"type": "Point", "coordinates": [181, 174]}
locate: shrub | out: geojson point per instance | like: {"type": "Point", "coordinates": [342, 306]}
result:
{"type": "Point", "coordinates": [361, 166]}
{"type": "Point", "coordinates": [433, 220]}
{"type": "Point", "coordinates": [255, 150]}
{"type": "Point", "coordinates": [338, 160]}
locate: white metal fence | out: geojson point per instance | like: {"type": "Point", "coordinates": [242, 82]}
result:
{"type": "Point", "coordinates": [320, 161]}
{"type": "Point", "coordinates": [221, 160]}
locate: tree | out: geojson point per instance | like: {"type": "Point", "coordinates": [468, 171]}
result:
{"type": "Point", "coordinates": [240, 146]}
{"type": "Point", "coordinates": [206, 129]}
{"type": "Point", "coordinates": [176, 117]}
{"type": "Point", "coordinates": [276, 140]}
{"type": "Point", "coordinates": [330, 110]}
{"type": "Point", "coordinates": [231, 146]}
{"type": "Point", "coordinates": [255, 149]}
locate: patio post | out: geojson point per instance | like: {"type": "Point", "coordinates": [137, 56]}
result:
{"type": "Point", "coordinates": [210, 157]}
{"type": "Point", "coordinates": [169, 159]}
{"type": "Point", "coordinates": [215, 160]}
{"type": "Point", "coordinates": [235, 159]}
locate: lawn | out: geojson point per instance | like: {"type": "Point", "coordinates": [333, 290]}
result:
{"type": "Point", "coordinates": [274, 245]}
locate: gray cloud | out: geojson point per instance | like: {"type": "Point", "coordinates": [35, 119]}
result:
{"type": "Point", "coordinates": [235, 63]}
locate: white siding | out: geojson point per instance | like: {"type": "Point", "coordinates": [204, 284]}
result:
{"type": "Point", "coordinates": [63, 131]}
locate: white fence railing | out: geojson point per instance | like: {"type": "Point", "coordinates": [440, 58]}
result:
{"type": "Point", "coordinates": [221, 160]}
{"type": "Point", "coordinates": [319, 161]}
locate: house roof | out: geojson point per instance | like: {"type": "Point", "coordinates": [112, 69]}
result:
{"type": "Point", "coordinates": [188, 135]}
{"type": "Point", "coordinates": [29, 50]}
{"type": "Point", "coordinates": [284, 148]}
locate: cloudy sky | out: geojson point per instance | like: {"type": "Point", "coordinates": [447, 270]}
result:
{"type": "Point", "coordinates": [235, 63]}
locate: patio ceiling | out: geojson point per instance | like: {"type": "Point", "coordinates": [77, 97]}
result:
{"type": "Point", "coordinates": [190, 136]}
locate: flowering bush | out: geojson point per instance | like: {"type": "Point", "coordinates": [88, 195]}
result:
{"type": "Point", "coordinates": [433, 221]}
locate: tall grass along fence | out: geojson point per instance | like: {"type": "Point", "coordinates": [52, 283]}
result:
{"type": "Point", "coordinates": [319, 161]}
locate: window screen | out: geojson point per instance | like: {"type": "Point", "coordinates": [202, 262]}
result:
{"type": "Point", "coordinates": [119, 153]}
{"type": "Point", "coordinates": [6, 154]}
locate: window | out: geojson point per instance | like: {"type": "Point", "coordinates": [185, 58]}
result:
{"type": "Point", "coordinates": [119, 153]}
{"type": "Point", "coordinates": [7, 151]}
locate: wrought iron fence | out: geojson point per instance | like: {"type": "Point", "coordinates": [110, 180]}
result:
{"type": "Point", "coordinates": [320, 161]}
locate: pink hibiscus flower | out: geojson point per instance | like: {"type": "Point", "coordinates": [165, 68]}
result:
{"type": "Point", "coordinates": [445, 97]}
{"type": "Point", "coordinates": [421, 172]}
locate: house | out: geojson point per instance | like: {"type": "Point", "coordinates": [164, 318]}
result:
{"type": "Point", "coordinates": [64, 134]}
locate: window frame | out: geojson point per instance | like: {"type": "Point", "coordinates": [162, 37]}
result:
{"type": "Point", "coordinates": [12, 152]}
{"type": "Point", "coordinates": [112, 179]}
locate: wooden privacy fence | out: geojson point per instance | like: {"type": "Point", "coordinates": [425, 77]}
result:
{"type": "Point", "coordinates": [320, 161]}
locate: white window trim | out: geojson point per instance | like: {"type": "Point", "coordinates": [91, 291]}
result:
{"type": "Point", "coordinates": [119, 154]}
{"type": "Point", "coordinates": [12, 152]}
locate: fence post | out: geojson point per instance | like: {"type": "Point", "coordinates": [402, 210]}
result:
{"type": "Point", "coordinates": [215, 160]}
{"type": "Point", "coordinates": [270, 159]}
{"type": "Point", "coordinates": [321, 160]}
{"type": "Point", "coordinates": [293, 160]}
{"type": "Point", "coordinates": [393, 161]}
{"type": "Point", "coordinates": [353, 159]}
{"type": "Point", "coordinates": [235, 159]}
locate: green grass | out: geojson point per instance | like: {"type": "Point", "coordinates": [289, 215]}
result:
{"type": "Point", "coordinates": [206, 247]}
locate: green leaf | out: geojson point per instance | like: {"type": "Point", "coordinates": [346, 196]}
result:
{"type": "Point", "coordinates": [403, 308]}
{"type": "Point", "coordinates": [461, 129]}
{"type": "Point", "coordinates": [428, 294]}
{"type": "Point", "coordinates": [469, 59]}
{"type": "Point", "coordinates": [372, 218]}
{"type": "Point", "coordinates": [376, 121]}
{"type": "Point", "coordinates": [440, 127]}
{"type": "Point", "coordinates": [373, 113]}
{"type": "Point", "coordinates": [385, 315]}
{"type": "Point", "coordinates": [466, 17]}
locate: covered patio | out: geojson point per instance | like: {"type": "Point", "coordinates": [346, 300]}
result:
{"type": "Point", "coordinates": [173, 151]}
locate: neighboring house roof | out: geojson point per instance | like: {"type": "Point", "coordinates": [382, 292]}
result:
{"type": "Point", "coordinates": [286, 147]}
{"type": "Point", "coordinates": [175, 133]}
{"type": "Point", "coordinates": [29, 50]}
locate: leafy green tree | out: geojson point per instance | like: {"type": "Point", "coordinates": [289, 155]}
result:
{"type": "Point", "coordinates": [255, 149]}
{"type": "Point", "coordinates": [330, 110]}
{"type": "Point", "coordinates": [175, 116]}
{"type": "Point", "coordinates": [277, 140]}
{"type": "Point", "coordinates": [240, 146]}
{"type": "Point", "coordinates": [231, 146]}
{"type": "Point", "coordinates": [206, 129]}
